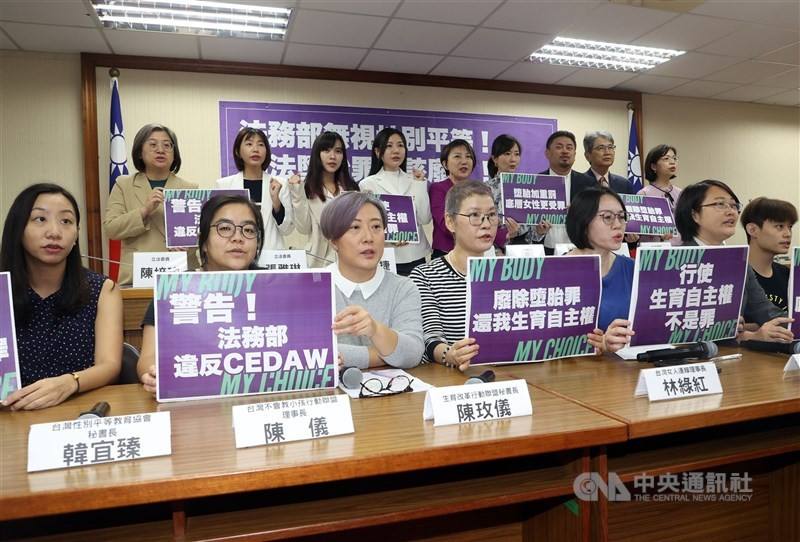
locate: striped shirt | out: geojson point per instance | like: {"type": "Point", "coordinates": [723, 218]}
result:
{"type": "Point", "coordinates": [443, 293]}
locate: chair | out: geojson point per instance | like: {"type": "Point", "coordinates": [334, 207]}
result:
{"type": "Point", "coordinates": [130, 357]}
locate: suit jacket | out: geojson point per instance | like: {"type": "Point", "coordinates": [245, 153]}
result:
{"type": "Point", "coordinates": [123, 220]}
{"type": "Point", "coordinates": [617, 183]}
{"type": "Point", "coordinates": [577, 181]}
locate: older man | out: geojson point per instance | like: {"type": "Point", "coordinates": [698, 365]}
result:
{"type": "Point", "coordinates": [600, 152]}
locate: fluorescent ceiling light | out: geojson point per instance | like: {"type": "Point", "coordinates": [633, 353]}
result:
{"type": "Point", "coordinates": [194, 17]}
{"type": "Point", "coordinates": [601, 55]}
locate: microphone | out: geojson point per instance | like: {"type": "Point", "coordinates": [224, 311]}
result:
{"type": "Point", "coordinates": [351, 378]}
{"type": "Point", "coordinates": [105, 260]}
{"type": "Point", "coordinates": [483, 378]}
{"type": "Point", "coordinates": [98, 411]}
{"type": "Point", "coordinates": [319, 257]}
{"type": "Point", "coordinates": [698, 350]}
{"type": "Point", "coordinates": [768, 346]}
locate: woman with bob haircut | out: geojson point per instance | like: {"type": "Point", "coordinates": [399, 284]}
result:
{"type": "Point", "coordinates": [458, 161]}
{"type": "Point", "coordinates": [252, 156]}
{"type": "Point", "coordinates": [328, 176]}
{"type": "Point", "coordinates": [706, 215]}
{"type": "Point", "coordinates": [660, 167]}
{"type": "Point", "coordinates": [230, 238]}
{"type": "Point", "coordinates": [378, 318]}
{"type": "Point", "coordinates": [472, 218]}
{"type": "Point", "coordinates": [596, 225]}
{"type": "Point", "coordinates": [68, 318]}
{"type": "Point", "coordinates": [135, 207]}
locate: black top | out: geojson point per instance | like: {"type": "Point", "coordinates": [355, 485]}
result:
{"type": "Point", "coordinates": [149, 315]}
{"type": "Point", "coordinates": [156, 183]}
{"type": "Point", "coordinates": [255, 188]}
{"type": "Point", "coordinates": [777, 286]}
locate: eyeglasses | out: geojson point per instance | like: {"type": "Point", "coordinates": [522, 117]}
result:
{"type": "Point", "coordinates": [154, 145]}
{"type": "Point", "coordinates": [608, 217]}
{"type": "Point", "coordinates": [604, 148]}
{"type": "Point", "coordinates": [227, 229]}
{"type": "Point", "coordinates": [667, 158]}
{"type": "Point", "coordinates": [375, 387]}
{"type": "Point", "coordinates": [723, 206]}
{"type": "Point", "coordinates": [476, 219]}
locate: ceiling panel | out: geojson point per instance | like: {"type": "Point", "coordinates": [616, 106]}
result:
{"type": "Point", "coordinates": [470, 67]}
{"type": "Point", "coordinates": [391, 61]}
{"type": "Point", "coordinates": [61, 12]}
{"type": "Point", "coordinates": [596, 78]}
{"type": "Point", "coordinates": [540, 17]}
{"type": "Point", "coordinates": [325, 28]}
{"type": "Point", "coordinates": [701, 89]}
{"type": "Point", "coordinates": [421, 37]}
{"type": "Point", "coordinates": [242, 50]}
{"type": "Point", "coordinates": [747, 72]}
{"type": "Point", "coordinates": [789, 79]}
{"type": "Point", "coordinates": [751, 41]}
{"type": "Point", "coordinates": [687, 32]}
{"type": "Point", "coordinates": [786, 55]}
{"type": "Point", "coordinates": [781, 13]}
{"type": "Point", "coordinates": [486, 43]}
{"type": "Point", "coordinates": [324, 56]}
{"type": "Point", "coordinates": [694, 65]}
{"type": "Point", "coordinates": [748, 93]}
{"type": "Point", "coordinates": [5, 42]}
{"type": "Point", "coordinates": [530, 72]}
{"type": "Point", "coordinates": [56, 39]}
{"type": "Point", "coordinates": [617, 24]}
{"type": "Point", "coordinates": [361, 7]}
{"type": "Point", "coordinates": [129, 42]}
{"type": "Point", "coordinates": [791, 97]}
{"type": "Point", "coordinates": [471, 12]}
{"type": "Point", "coordinates": [652, 84]}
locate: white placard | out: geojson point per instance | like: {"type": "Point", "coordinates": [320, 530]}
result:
{"type": "Point", "coordinates": [147, 264]}
{"type": "Point", "coordinates": [793, 364]}
{"type": "Point", "coordinates": [293, 419]}
{"type": "Point", "coordinates": [389, 262]}
{"type": "Point", "coordinates": [283, 259]}
{"type": "Point", "coordinates": [525, 251]}
{"type": "Point", "coordinates": [477, 402]}
{"type": "Point", "coordinates": [91, 441]}
{"type": "Point", "coordinates": [630, 353]}
{"type": "Point", "coordinates": [678, 381]}
{"type": "Point", "coordinates": [562, 248]}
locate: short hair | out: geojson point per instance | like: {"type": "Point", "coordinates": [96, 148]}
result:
{"type": "Point", "coordinates": [207, 213]}
{"type": "Point", "coordinates": [339, 213]}
{"type": "Point", "coordinates": [461, 191]}
{"type": "Point", "coordinates": [582, 210]}
{"type": "Point", "coordinates": [560, 133]}
{"type": "Point", "coordinates": [143, 135]}
{"type": "Point", "coordinates": [591, 137]}
{"type": "Point", "coordinates": [762, 209]}
{"type": "Point", "coordinates": [380, 143]}
{"type": "Point", "coordinates": [456, 143]}
{"type": "Point", "coordinates": [501, 144]}
{"type": "Point", "coordinates": [690, 201]}
{"type": "Point", "coordinates": [245, 134]}
{"type": "Point", "coordinates": [656, 153]}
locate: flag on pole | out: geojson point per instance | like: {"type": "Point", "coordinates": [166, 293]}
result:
{"type": "Point", "coordinates": [118, 158]}
{"type": "Point", "coordinates": [634, 158]}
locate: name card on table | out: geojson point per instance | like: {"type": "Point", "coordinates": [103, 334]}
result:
{"type": "Point", "coordinates": [525, 251]}
{"type": "Point", "coordinates": [147, 264]}
{"type": "Point", "coordinates": [793, 364]}
{"type": "Point", "coordinates": [295, 419]}
{"type": "Point", "coordinates": [283, 259]}
{"type": "Point", "coordinates": [477, 403]}
{"type": "Point", "coordinates": [678, 381]}
{"type": "Point", "coordinates": [389, 262]}
{"type": "Point", "coordinates": [77, 443]}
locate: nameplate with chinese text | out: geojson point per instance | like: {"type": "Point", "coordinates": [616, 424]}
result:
{"type": "Point", "coordinates": [477, 402]}
{"type": "Point", "coordinates": [389, 261]}
{"type": "Point", "coordinates": [283, 259]}
{"type": "Point", "coordinates": [147, 264]}
{"type": "Point", "coordinates": [793, 364]}
{"type": "Point", "coordinates": [678, 381]}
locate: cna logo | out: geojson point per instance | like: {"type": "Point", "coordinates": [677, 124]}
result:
{"type": "Point", "coordinates": [588, 485]}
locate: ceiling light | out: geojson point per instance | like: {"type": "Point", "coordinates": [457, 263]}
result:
{"type": "Point", "coordinates": [601, 55]}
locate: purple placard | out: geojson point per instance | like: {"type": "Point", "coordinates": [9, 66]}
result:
{"type": "Point", "coordinates": [794, 291]}
{"type": "Point", "coordinates": [244, 333]}
{"type": "Point", "coordinates": [530, 199]}
{"type": "Point", "coordinates": [687, 294]}
{"type": "Point", "coordinates": [182, 213]}
{"type": "Point", "coordinates": [532, 309]}
{"type": "Point", "coordinates": [401, 220]}
{"type": "Point", "coordinates": [292, 128]}
{"type": "Point", "coordinates": [648, 215]}
{"type": "Point", "coordinates": [9, 361]}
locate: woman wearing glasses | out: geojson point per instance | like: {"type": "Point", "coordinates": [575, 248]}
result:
{"type": "Point", "coordinates": [596, 225]}
{"type": "Point", "coordinates": [706, 215]}
{"type": "Point", "coordinates": [135, 207]}
{"type": "Point", "coordinates": [230, 237]}
{"type": "Point", "coordinates": [660, 167]}
{"type": "Point", "coordinates": [378, 313]}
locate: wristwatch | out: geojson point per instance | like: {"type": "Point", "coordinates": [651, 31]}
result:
{"type": "Point", "coordinates": [77, 378]}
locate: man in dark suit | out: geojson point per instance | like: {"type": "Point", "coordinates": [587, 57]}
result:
{"type": "Point", "coordinates": [599, 150]}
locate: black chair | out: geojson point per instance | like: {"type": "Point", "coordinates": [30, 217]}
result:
{"type": "Point", "coordinates": [130, 357]}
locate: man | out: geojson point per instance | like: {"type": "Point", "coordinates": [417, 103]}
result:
{"type": "Point", "coordinates": [599, 152]}
{"type": "Point", "coordinates": [768, 226]}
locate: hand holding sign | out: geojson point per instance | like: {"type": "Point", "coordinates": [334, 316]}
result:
{"type": "Point", "coordinates": [615, 338]}
{"type": "Point", "coordinates": [461, 353]}
{"type": "Point", "coordinates": [155, 198]}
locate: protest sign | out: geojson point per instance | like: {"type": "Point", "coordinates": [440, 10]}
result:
{"type": "Point", "coordinates": [531, 199]}
{"type": "Point", "coordinates": [794, 291]}
{"type": "Point", "coordinates": [9, 362]}
{"type": "Point", "coordinates": [648, 215]}
{"type": "Point", "coordinates": [401, 220]}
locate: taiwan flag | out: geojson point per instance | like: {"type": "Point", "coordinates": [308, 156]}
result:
{"type": "Point", "coordinates": [634, 157]}
{"type": "Point", "coordinates": [118, 158]}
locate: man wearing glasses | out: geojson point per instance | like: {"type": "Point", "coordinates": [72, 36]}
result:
{"type": "Point", "coordinates": [600, 152]}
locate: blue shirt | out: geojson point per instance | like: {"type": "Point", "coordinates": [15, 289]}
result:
{"type": "Point", "coordinates": [616, 298]}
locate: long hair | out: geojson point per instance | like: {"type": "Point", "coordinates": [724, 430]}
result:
{"type": "Point", "coordinates": [380, 144]}
{"type": "Point", "coordinates": [501, 145]}
{"type": "Point", "coordinates": [315, 188]}
{"type": "Point", "coordinates": [74, 291]}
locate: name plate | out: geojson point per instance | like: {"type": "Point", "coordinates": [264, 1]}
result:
{"type": "Point", "coordinates": [295, 419]}
{"type": "Point", "coordinates": [77, 443]}
{"type": "Point", "coordinates": [147, 264]}
{"type": "Point", "coordinates": [678, 381]}
{"type": "Point", "coordinates": [477, 402]}
{"type": "Point", "coordinates": [389, 261]}
{"type": "Point", "coordinates": [283, 259]}
{"type": "Point", "coordinates": [793, 364]}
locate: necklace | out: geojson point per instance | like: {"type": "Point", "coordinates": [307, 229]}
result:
{"type": "Point", "coordinates": [450, 261]}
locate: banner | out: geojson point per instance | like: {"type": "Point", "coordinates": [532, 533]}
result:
{"type": "Point", "coordinates": [401, 219]}
{"type": "Point", "coordinates": [648, 215]}
{"type": "Point", "coordinates": [243, 333]}
{"type": "Point", "coordinates": [530, 199]}
{"type": "Point", "coordinates": [292, 128]}
{"type": "Point", "coordinates": [687, 294]}
{"type": "Point", "coordinates": [532, 309]}
{"type": "Point", "coordinates": [9, 362]}
{"type": "Point", "coordinates": [794, 291]}
{"type": "Point", "coordinates": [182, 213]}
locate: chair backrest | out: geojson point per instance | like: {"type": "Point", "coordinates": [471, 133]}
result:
{"type": "Point", "coordinates": [130, 357]}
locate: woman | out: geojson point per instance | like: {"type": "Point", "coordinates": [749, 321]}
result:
{"type": "Point", "coordinates": [596, 225]}
{"type": "Point", "coordinates": [707, 214]}
{"type": "Point", "coordinates": [458, 161]}
{"type": "Point", "coordinates": [68, 318]}
{"type": "Point", "coordinates": [230, 239]}
{"type": "Point", "coordinates": [328, 175]}
{"type": "Point", "coordinates": [660, 167]}
{"type": "Point", "coordinates": [378, 318]}
{"type": "Point", "coordinates": [135, 207]}
{"type": "Point", "coordinates": [252, 156]}
{"type": "Point", "coordinates": [472, 218]}
{"type": "Point", "coordinates": [387, 175]}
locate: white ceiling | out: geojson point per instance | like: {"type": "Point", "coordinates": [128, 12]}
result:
{"type": "Point", "coordinates": [737, 50]}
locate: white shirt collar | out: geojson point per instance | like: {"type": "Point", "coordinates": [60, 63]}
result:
{"type": "Point", "coordinates": [560, 175]}
{"type": "Point", "coordinates": [702, 243]}
{"type": "Point", "coordinates": [347, 286]}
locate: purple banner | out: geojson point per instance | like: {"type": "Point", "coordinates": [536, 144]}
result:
{"type": "Point", "coordinates": [182, 213]}
{"type": "Point", "coordinates": [9, 362]}
{"type": "Point", "coordinates": [530, 199]}
{"type": "Point", "coordinates": [794, 292]}
{"type": "Point", "coordinates": [532, 309]}
{"type": "Point", "coordinates": [648, 215]}
{"type": "Point", "coordinates": [401, 220]}
{"type": "Point", "coordinates": [244, 333]}
{"type": "Point", "coordinates": [292, 128]}
{"type": "Point", "coordinates": [687, 294]}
